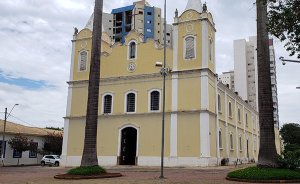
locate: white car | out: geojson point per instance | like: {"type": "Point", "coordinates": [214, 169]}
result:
{"type": "Point", "coordinates": [50, 160]}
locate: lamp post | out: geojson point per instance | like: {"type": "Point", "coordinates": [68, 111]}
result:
{"type": "Point", "coordinates": [288, 60]}
{"type": "Point", "coordinates": [164, 72]}
{"type": "Point", "coordinates": [6, 116]}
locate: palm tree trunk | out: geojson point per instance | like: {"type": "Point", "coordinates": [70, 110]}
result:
{"type": "Point", "coordinates": [89, 157]}
{"type": "Point", "coordinates": [267, 152]}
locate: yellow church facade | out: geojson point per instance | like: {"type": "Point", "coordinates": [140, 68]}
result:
{"type": "Point", "coordinates": [205, 121]}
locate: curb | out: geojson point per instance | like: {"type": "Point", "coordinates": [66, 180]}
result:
{"type": "Point", "coordinates": [79, 177]}
{"type": "Point", "coordinates": [262, 181]}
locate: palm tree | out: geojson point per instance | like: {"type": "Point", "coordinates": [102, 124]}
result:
{"type": "Point", "coordinates": [267, 152]}
{"type": "Point", "coordinates": [89, 157]}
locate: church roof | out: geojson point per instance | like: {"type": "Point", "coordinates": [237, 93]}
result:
{"type": "Point", "coordinates": [194, 5]}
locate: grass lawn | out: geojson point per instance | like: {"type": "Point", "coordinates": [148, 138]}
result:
{"type": "Point", "coordinates": [255, 173]}
{"type": "Point", "coordinates": [87, 171]}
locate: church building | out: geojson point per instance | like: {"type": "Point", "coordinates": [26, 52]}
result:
{"type": "Point", "coordinates": [206, 122]}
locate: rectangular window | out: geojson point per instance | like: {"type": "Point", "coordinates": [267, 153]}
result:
{"type": "Point", "coordinates": [231, 141]}
{"type": "Point", "coordinates": [229, 109]}
{"type": "Point", "coordinates": [141, 13]}
{"type": "Point", "coordinates": [239, 115]}
{"type": "Point", "coordinates": [1, 148]}
{"type": "Point", "coordinates": [17, 154]}
{"type": "Point", "coordinates": [246, 120]}
{"type": "Point", "coordinates": [190, 48]}
{"type": "Point", "coordinates": [220, 139]}
{"type": "Point", "coordinates": [83, 61]}
{"type": "Point", "coordinates": [107, 104]}
{"type": "Point", "coordinates": [219, 103]}
{"type": "Point", "coordinates": [33, 153]}
{"type": "Point", "coordinates": [149, 13]}
{"type": "Point", "coordinates": [241, 144]}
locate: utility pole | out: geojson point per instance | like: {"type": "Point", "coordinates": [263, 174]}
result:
{"type": "Point", "coordinates": [3, 138]}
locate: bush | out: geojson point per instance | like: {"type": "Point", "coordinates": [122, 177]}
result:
{"type": "Point", "coordinates": [87, 171]}
{"type": "Point", "coordinates": [255, 173]}
{"type": "Point", "coordinates": [224, 161]}
{"type": "Point", "coordinates": [289, 160]}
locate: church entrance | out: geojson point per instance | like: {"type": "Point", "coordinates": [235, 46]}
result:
{"type": "Point", "coordinates": [128, 146]}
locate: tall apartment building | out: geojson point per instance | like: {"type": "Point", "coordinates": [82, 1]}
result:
{"type": "Point", "coordinates": [227, 78]}
{"type": "Point", "coordinates": [140, 16]}
{"type": "Point", "coordinates": [245, 72]}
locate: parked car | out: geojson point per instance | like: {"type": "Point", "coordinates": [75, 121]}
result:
{"type": "Point", "coordinates": [50, 160]}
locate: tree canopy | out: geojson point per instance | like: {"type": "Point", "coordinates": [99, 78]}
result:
{"type": "Point", "coordinates": [290, 134]}
{"type": "Point", "coordinates": [53, 144]}
{"type": "Point", "coordinates": [284, 23]}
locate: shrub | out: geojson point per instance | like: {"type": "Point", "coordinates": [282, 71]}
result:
{"type": "Point", "coordinates": [289, 160]}
{"type": "Point", "coordinates": [224, 161]}
{"type": "Point", "coordinates": [255, 173]}
{"type": "Point", "coordinates": [87, 171]}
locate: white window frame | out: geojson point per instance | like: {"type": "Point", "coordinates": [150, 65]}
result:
{"type": "Point", "coordinates": [128, 50]}
{"type": "Point", "coordinates": [79, 61]}
{"type": "Point", "coordinates": [184, 47]}
{"type": "Point", "coordinates": [149, 100]}
{"type": "Point", "coordinates": [112, 102]}
{"type": "Point", "coordinates": [125, 102]}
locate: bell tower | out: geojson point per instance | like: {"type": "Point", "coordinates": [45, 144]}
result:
{"type": "Point", "coordinates": [194, 38]}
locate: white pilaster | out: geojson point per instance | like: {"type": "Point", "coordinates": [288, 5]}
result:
{"type": "Point", "coordinates": [226, 119]}
{"type": "Point", "coordinates": [72, 58]}
{"type": "Point", "coordinates": [175, 48]}
{"type": "Point", "coordinates": [236, 130]}
{"type": "Point", "coordinates": [204, 117]}
{"type": "Point", "coordinates": [245, 137]}
{"type": "Point", "coordinates": [173, 127]}
{"type": "Point", "coordinates": [217, 120]}
{"type": "Point", "coordinates": [205, 44]}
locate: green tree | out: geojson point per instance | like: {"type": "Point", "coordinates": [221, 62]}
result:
{"type": "Point", "coordinates": [267, 156]}
{"type": "Point", "coordinates": [290, 134]}
{"type": "Point", "coordinates": [89, 156]}
{"type": "Point", "coordinates": [20, 144]}
{"type": "Point", "coordinates": [53, 144]}
{"type": "Point", "coordinates": [284, 23]}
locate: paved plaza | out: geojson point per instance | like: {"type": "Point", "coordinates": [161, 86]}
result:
{"type": "Point", "coordinates": [132, 175]}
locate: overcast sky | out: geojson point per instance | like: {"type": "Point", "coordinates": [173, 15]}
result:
{"type": "Point", "coordinates": [35, 44]}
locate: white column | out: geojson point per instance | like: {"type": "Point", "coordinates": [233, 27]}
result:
{"type": "Point", "coordinates": [226, 119]}
{"type": "Point", "coordinates": [173, 127]}
{"type": "Point", "coordinates": [205, 44]}
{"type": "Point", "coordinates": [204, 117]}
{"type": "Point", "coordinates": [236, 130]}
{"type": "Point", "coordinates": [217, 121]}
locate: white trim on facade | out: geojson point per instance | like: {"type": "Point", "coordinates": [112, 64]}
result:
{"type": "Point", "coordinates": [174, 116]}
{"type": "Point", "coordinates": [204, 44]}
{"type": "Point", "coordinates": [137, 137]}
{"type": "Point", "coordinates": [112, 102]}
{"type": "Point", "coordinates": [128, 50]}
{"type": "Point", "coordinates": [175, 48]}
{"type": "Point", "coordinates": [184, 47]}
{"type": "Point", "coordinates": [125, 101]}
{"type": "Point", "coordinates": [79, 61]}
{"type": "Point", "coordinates": [72, 58]}
{"type": "Point", "coordinates": [149, 100]}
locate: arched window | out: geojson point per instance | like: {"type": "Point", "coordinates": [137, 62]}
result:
{"type": "Point", "coordinates": [132, 50]}
{"type": "Point", "coordinates": [231, 141]}
{"type": "Point", "coordinates": [211, 49]}
{"type": "Point", "coordinates": [246, 119]}
{"type": "Point", "coordinates": [107, 104]}
{"type": "Point", "coordinates": [190, 48]}
{"type": "Point", "coordinates": [219, 103]}
{"type": "Point", "coordinates": [220, 139]}
{"type": "Point", "coordinates": [130, 99]}
{"type": "Point", "coordinates": [240, 140]}
{"type": "Point", "coordinates": [154, 100]}
{"type": "Point", "coordinates": [239, 114]}
{"type": "Point", "coordinates": [83, 58]}
{"type": "Point", "coordinates": [230, 109]}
